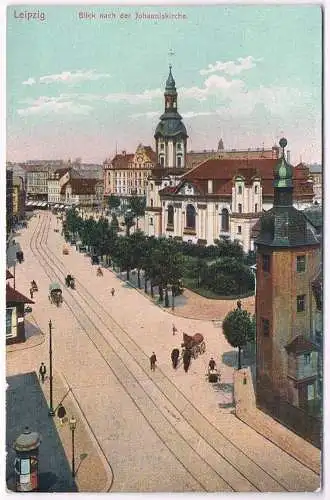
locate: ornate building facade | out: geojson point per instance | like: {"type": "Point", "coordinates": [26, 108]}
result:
{"type": "Point", "coordinates": [126, 174]}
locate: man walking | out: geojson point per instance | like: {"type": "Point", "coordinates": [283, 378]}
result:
{"type": "Point", "coordinates": [31, 293]}
{"type": "Point", "coordinates": [112, 291]}
{"type": "Point", "coordinates": [153, 360]}
{"type": "Point", "coordinates": [174, 329]}
{"type": "Point", "coordinates": [42, 372]}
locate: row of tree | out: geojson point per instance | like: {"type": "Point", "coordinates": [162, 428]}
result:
{"type": "Point", "coordinates": [161, 263]}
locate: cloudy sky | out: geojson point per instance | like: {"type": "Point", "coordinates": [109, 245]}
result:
{"type": "Point", "coordinates": [76, 87]}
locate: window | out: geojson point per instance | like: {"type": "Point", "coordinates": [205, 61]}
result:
{"type": "Point", "coordinates": [240, 208]}
{"type": "Point", "coordinates": [178, 146]}
{"type": "Point", "coordinates": [170, 215]}
{"type": "Point", "coordinates": [256, 207]}
{"type": "Point", "coordinates": [256, 189]}
{"type": "Point", "coordinates": [301, 263]}
{"type": "Point", "coordinates": [307, 359]}
{"type": "Point", "coordinates": [191, 217]}
{"type": "Point", "coordinates": [266, 263]}
{"type": "Point", "coordinates": [265, 327]}
{"type": "Point", "coordinates": [179, 161]}
{"type": "Point", "coordinates": [224, 220]}
{"type": "Point", "coordinates": [162, 147]}
{"type": "Point", "coordinates": [151, 221]}
{"type": "Point", "coordinates": [300, 303]}
{"type": "Point", "coordinates": [162, 161]}
{"type": "Point", "coordinates": [11, 327]}
{"type": "Point", "coordinates": [239, 229]}
{"type": "Point", "coordinates": [151, 187]}
{"type": "Point", "coordinates": [239, 189]}
{"type": "Point", "coordinates": [151, 202]}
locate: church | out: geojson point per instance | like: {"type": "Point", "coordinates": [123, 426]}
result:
{"type": "Point", "coordinates": [221, 197]}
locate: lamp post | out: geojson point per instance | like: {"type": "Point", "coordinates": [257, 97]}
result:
{"type": "Point", "coordinates": [73, 423]}
{"type": "Point", "coordinates": [51, 411]}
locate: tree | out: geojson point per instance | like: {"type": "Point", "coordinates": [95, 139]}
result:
{"type": "Point", "coordinates": [238, 328]}
{"type": "Point", "coordinates": [114, 224]}
{"type": "Point", "coordinates": [139, 244]}
{"type": "Point", "coordinates": [113, 202]}
{"type": "Point", "coordinates": [123, 253]}
{"type": "Point", "coordinates": [128, 222]}
{"type": "Point", "coordinates": [137, 204]}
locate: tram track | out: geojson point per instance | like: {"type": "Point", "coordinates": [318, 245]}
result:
{"type": "Point", "coordinates": [231, 459]}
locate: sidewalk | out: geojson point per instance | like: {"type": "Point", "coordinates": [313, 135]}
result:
{"type": "Point", "coordinates": [191, 305]}
{"type": "Point", "coordinates": [33, 334]}
{"type": "Point", "coordinates": [272, 430]}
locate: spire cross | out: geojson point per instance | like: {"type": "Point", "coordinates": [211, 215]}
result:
{"type": "Point", "coordinates": [171, 53]}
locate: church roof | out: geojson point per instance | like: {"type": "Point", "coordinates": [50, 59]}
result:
{"type": "Point", "coordinates": [170, 82]}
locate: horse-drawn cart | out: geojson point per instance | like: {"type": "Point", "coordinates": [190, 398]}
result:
{"type": "Point", "coordinates": [70, 281]}
{"type": "Point", "coordinates": [55, 294]}
{"type": "Point", "coordinates": [195, 344]}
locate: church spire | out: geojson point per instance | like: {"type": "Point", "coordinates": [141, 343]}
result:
{"type": "Point", "coordinates": [170, 82]}
{"type": "Point", "coordinates": [283, 182]}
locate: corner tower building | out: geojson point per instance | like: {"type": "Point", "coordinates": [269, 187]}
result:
{"type": "Point", "coordinates": [288, 261]}
{"type": "Point", "coordinates": [171, 134]}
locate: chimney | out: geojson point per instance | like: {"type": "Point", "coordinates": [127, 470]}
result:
{"type": "Point", "coordinates": [288, 156]}
{"type": "Point", "coordinates": [210, 186]}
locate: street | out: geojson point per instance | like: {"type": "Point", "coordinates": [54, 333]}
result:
{"type": "Point", "coordinates": [162, 431]}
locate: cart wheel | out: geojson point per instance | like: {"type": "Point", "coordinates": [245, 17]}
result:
{"type": "Point", "coordinates": [202, 347]}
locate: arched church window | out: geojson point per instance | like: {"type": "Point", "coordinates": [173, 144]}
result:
{"type": "Point", "coordinates": [170, 215]}
{"type": "Point", "coordinates": [224, 220]}
{"type": "Point", "coordinates": [162, 161]}
{"type": "Point", "coordinates": [151, 202]}
{"type": "Point", "coordinates": [191, 217]}
{"type": "Point", "coordinates": [179, 161]}
{"type": "Point", "coordinates": [240, 208]}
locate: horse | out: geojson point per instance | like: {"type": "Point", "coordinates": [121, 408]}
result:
{"type": "Point", "coordinates": [175, 354]}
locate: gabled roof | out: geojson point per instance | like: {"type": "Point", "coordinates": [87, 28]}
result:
{"type": "Point", "coordinates": [151, 153]}
{"type": "Point", "coordinates": [122, 160]}
{"type": "Point", "coordinates": [80, 186]}
{"type": "Point", "coordinates": [300, 345]}
{"type": "Point", "coordinates": [15, 297]}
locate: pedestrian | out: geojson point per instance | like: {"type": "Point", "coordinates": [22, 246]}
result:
{"type": "Point", "coordinates": [186, 359]}
{"type": "Point", "coordinates": [153, 360]}
{"type": "Point", "coordinates": [174, 329]}
{"type": "Point", "coordinates": [61, 412]}
{"type": "Point", "coordinates": [112, 291]}
{"type": "Point", "coordinates": [31, 293]}
{"type": "Point", "coordinates": [42, 372]}
{"type": "Point", "coordinates": [239, 304]}
{"type": "Point", "coordinates": [212, 364]}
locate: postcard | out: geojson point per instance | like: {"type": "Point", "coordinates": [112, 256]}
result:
{"type": "Point", "coordinates": [164, 221]}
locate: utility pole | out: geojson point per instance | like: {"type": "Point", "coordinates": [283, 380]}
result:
{"type": "Point", "coordinates": [51, 412]}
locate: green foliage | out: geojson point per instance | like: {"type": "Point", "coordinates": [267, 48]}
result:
{"type": "Point", "coordinates": [137, 205]}
{"type": "Point", "coordinates": [239, 329]}
{"type": "Point", "coordinates": [114, 224]}
{"type": "Point", "coordinates": [113, 201]}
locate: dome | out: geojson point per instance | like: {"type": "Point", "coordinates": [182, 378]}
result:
{"type": "Point", "coordinates": [170, 127]}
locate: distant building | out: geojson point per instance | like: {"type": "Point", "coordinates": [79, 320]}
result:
{"type": "Point", "coordinates": [126, 174]}
{"type": "Point", "coordinates": [9, 200]}
{"type": "Point", "coordinates": [316, 175]}
{"type": "Point", "coordinates": [18, 198]}
{"type": "Point", "coordinates": [77, 191]}
{"type": "Point", "coordinates": [287, 322]}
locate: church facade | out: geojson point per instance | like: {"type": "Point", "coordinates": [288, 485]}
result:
{"type": "Point", "coordinates": [204, 196]}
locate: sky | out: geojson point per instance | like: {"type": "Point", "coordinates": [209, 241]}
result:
{"type": "Point", "coordinates": [79, 87]}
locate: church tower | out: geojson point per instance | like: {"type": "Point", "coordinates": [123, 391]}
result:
{"type": "Point", "coordinates": [288, 259]}
{"type": "Point", "coordinates": [171, 134]}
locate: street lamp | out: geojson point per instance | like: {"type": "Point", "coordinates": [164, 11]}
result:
{"type": "Point", "coordinates": [51, 411]}
{"type": "Point", "coordinates": [73, 423]}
